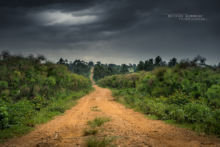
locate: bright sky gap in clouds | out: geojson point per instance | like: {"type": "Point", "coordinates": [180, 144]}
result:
{"type": "Point", "coordinates": [112, 31]}
{"type": "Point", "coordinates": [50, 18]}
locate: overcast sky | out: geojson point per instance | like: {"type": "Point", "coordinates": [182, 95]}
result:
{"type": "Point", "coordinates": [111, 31]}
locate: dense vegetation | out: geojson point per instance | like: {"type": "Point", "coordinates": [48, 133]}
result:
{"type": "Point", "coordinates": [103, 70]}
{"type": "Point", "coordinates": [78, 66]}
{"type": "Point", "coordinates": [186, 93]}
{"type": "Point", "coordinates": [33, 90]}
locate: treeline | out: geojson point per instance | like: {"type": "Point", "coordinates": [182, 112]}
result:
{"type": "Point", "coordinates": [102, 70]}
{"type": "Point", "coordinates": [33, 90]}
{"type": "Point", "coordinates": [78, 66]}
{"type": "Point", "coordinates": [150, 64]}
{"type": "Point", "coordinates": [186, 93]}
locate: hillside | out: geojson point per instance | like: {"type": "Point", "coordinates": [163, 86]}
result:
{"type": "Point", "coordinates": [33, 90]}
{"type": "Point", "coordinates": [186, 95]}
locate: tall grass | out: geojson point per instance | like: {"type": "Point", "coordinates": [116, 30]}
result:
{"type": "Point", "coordinates": [57, 107]}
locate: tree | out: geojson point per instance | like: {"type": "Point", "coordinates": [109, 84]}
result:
{"type": "Point", "coordinates": [158, 61]}
{"type": "Point", "coordinates": [149, 65]}
{"type": "Point", "coordinates": [199, 59]}
{"type": "Point", "coordinates": [91, 63]}
{"type": "Point", "coordinates": [202, 60]}
{"type": "Point", "coordinates": [80, 67]}
{"type": "Point", "coordinates": [5, 55]}
{"type": "Point", "coordinates": [172, 62]}
{"type": "Point", "coordinates": [151, 61]}
{"type": "Point", "coordinates": [140, 66]}
{"type": "Point", "coordinates": [61, 61]}
{"type": "Point", "coordinates": [124, 68]}
{"type": "Point", "coordinates": [41, 58]}
{"type": "Point", "coordinates": [98, 62]}
{"type": "Point", "coordinates": [66, 61]}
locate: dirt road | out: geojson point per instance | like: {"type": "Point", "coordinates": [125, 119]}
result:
{"type": "Point", "coordinates": [131, 129]}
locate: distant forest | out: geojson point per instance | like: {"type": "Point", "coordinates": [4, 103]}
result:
{"type": "Point", "coordinates": [101, 70]}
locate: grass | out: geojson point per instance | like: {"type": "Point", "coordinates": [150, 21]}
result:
{"type": "Point", "coordinates": [98, 121]}
{"type": "Point", "coordinates": [57, 107]}
{"type": "Point", "coordinates": [99, 142]}
{"type": "Point", "coordinates": [198, 128]}
{"type": "Point", "coordinates": [151, 116]}
{"type": "Point", "coordinates": [88, 132]}
{"type": "Point", "coordinates": [16, 130]}
{"type": "Point", "coordinates": [95, 108]}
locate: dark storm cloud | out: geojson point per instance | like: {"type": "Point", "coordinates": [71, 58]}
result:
{"type": "Point", "coordinates": [37, 3]}
{"type": "Point", "coordinates": [124, 29]}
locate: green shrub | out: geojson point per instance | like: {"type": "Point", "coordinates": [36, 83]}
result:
{"type": "Point", "coordinates": [216, 123]}
{"type": "Point", "coordinates": [196, 112]}
{"type": "Point", "coordinates": [51, 81]}
{"type": "Point", "coordinates": [57, 109]}
{"type": "Point", "coordinates": [5, 93]}
{"type": "Point", "coordinates": [160, 72]}
{"type": "Point", "coordinates": [92, 131]}
{"type": "Point", "coordinates": [29, 87]}
{"type": "Point", "coordinates": [99, 142]}
{"type": "Point", "coordinates": [186, 85]}
{"type": "Point", "coordinates": [25, 90]}
{"type": "Point", "coordinates": [20, 111]}
{"type": "Point", "coordinates": [4, 122]}
{"type": "Point", "coordinates": [185, 93]}
{"type": "Point", "coordinates": [146, 85]}
{"type": "Point", "coordinates": [160, 90]}
{"type": "Point", "coordinates": [178, 115]}
{"type": "Point", "coordinates": [213, 94]}
{"type": "Point", "coordinates": [155, 108]}
{"type": "Point", "coordinates": [119, 81]}
{"type": "Point", "coordinates": [178, 98]}
{"type": "Point", "coordinates": [39, 102]}
{"type": "Point", "coordinates": [3, 84]}
{"type": "Point", "coordinates": [98, 121]}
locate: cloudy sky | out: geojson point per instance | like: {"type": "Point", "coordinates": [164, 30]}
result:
{"type": "Point", "coordinates": [116, 31]}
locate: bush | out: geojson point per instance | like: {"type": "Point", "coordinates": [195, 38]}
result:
{"type": "Point", "coordinates": [99, 142]}
{"type": "Point", "coordinates": [98, 121]}
{"type": "Point", "coordinates": [25, 90]}
{"type": "Point", "coordinates": [29, 88]}
{"type": "Point", "coordinates": [4, 122]}
{"type": "Point", "coordinates": [155, 108]}
{"type": "Point", "coordinates": [3, 84]}
{"type": "Point", "coordinates": [147, 84]}
{"type": "Point", "coordinates": [160, 90]}
{"type": "Point", "coordinates": [39, 102]}
{"type": "Point", "coordinates": [216, 122]}
{"type": "Point", "coordinates": [51, 81]}
{"type": "Point", "coordinates": [187, 94]}
{"type": "Point", "coordinates": [178, 115]}
{"type": "Point", "coordinates": [57, 109]}
{"type": "Point", "coordinates": [5, 93]}
{"type": "Point", "coordinates": [20, 111]}
{"type": "Point", "coordinates": [213, 94]}
{"type": "Point", "coordinates": [160, 72]}
{"type": "Point", "coordinates": [178, 98]}
{"type": "Point", "coordinates": [196, 113]}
